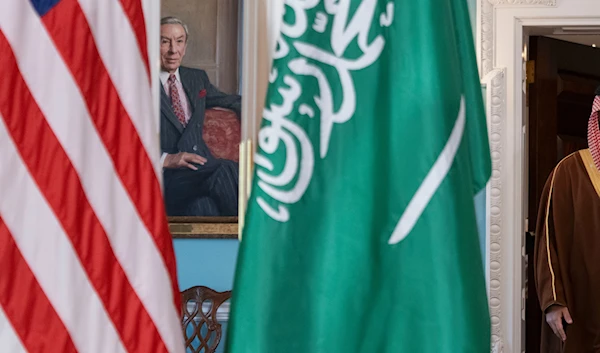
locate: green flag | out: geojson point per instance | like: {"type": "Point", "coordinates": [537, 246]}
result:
{"type": "Point", "coordinates": [360, 234]}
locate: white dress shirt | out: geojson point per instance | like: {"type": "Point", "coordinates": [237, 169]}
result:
{"type": "Point", "coordinates": [187, 110]}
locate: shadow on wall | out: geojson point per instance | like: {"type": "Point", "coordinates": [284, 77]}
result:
{"type": "Point", "coordinates": [206, 262]}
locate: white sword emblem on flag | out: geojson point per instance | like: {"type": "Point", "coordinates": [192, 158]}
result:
{"type": "Point", "coordinates": [432, 181]}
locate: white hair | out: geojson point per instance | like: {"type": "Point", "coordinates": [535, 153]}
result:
{"type": "Point", "coordinates": [171, 20]}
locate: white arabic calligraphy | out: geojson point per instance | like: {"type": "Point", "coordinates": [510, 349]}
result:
{"type": "Point", "coordinates": [299, 165]}
{"type": "Point", "coordinates": [268, 141]}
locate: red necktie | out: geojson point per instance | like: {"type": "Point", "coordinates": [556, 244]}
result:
{"type": "Point", "coordinates": [176, 100]}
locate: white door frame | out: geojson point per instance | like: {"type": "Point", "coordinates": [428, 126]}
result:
{"type": "Point", "coordinates": [261, 21]}
{"type": "Point", "coordinates": [500, 30]}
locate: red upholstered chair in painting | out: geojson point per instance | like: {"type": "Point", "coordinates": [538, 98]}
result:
{"type": "Point", "coordinates": [222, 133]}
{"type": "Point", "coordinates": [201, 329]}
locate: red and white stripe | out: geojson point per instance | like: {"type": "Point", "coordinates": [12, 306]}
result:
{"type": "Point", "coordinates": [8, 337]}
{"type": "Point", "coordinates": [594, 132]}
{"type": "Point", "coordinates": [83, 232]}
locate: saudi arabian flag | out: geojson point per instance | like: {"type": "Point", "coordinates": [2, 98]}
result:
{"type": "Point", "coordinates": [360, 234]}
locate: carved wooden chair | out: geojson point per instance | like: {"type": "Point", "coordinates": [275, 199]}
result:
{"type": "Point", "coordinates": [201, 329]}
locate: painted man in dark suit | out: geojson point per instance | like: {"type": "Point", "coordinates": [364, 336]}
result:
{"type": "Point", "coordinates": [196, 183]}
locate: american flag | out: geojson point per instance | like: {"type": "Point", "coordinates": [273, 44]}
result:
{"type": "Point", "coordinates": [86, 258]}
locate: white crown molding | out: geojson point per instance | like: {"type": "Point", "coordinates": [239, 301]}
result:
{"type": "Point", "coordinates": [486, 36]}
{"type": "Point", "coordinates": [486, 27]}
{"type": "Point", "coordinates": [524, 2]}
{"type": "Point", "coordinates": [495, 82]}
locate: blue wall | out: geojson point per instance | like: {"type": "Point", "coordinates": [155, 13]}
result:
{"type": "Point", "coordinates": [472, 12]}
{"type": "Point", "coordinates": [480, 213]}
{"type": "Point", "coordinates": [207, 262]}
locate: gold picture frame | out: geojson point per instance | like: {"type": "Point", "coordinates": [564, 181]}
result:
{"type": "Point", "coordinates": [204, 227]}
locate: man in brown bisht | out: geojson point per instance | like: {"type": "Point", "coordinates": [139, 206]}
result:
{"type": "Point", "coordinates": [567, 250]}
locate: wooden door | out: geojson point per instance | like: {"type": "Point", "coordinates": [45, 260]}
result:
{"type": "Point", "coordinates": [560, 99]}
{"type": "Point", "coordinates": [213, 41]}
